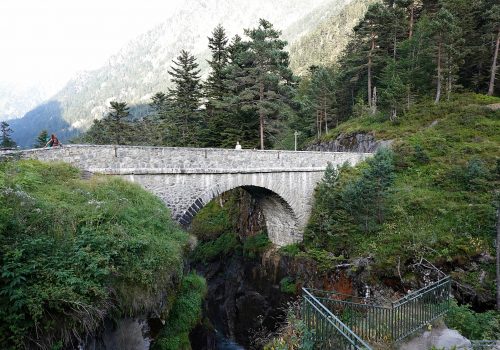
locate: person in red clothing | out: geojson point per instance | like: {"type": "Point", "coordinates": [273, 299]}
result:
{"type": "Point", "coordinates": [53, 142]}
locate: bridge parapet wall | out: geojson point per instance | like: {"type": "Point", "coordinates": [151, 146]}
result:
{"type": "Point", "coordinates": [186, 179]}
{"type": "Point", "coordinates": [123, 160]}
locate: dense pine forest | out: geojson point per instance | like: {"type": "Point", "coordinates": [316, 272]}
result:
{"type": "Point", "coordinates": [402, 52]}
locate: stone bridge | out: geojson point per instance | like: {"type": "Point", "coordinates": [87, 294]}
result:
{"type": "Point", "coordinates": [186, 179]}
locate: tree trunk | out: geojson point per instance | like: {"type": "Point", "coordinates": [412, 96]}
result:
{"type": "Point", "coordinates": [498, 257]}
{"type": "Point", "coordinates": [261, 116]}
{"type": "Point", "coordinates": [449, 78]}
{"type": "Point", "coordinates": [412, 10]}
{"type": "Point", "coordinates": [370, 71]}
{"type": "Point", "coordinates": [318, 124]}
{"type": "Point", "coordinates": [491, 87]}
{"type": "Point", "coordinates": [394, 50]}
{"type": "Point", "coordinates": [320, 121]}
{"type": "Point", "coordinates": [326, 115]}
{"type": "Point", "coordinates": [438, 89]}
{"type": "Point", "coordinates": [408, 97]}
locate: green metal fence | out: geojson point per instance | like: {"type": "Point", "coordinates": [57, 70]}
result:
{"type": "Point", "coordinates": [391, 322]}
{"type": "Point", "coordinates": [327, 330]}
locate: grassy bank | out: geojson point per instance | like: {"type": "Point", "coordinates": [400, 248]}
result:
{"type": "Point", "coordinates": [73, 252]}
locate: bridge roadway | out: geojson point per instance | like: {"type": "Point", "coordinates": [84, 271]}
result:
{"type": "Point", "coordinates": [186, 179]}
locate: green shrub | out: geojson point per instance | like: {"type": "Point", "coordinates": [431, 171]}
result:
{"type": "Point", "coordinates": [473, 325]}
{"type": "Point", "coordinates": [256, 245]}
{"type": "Point", "coordinates": [73, 251]}
{"type": "Point", "coordinates": [212, 220]}
{"type": "Point", "coordinates": [185, 315]}
{"type": "Point", "coordinates": [420, 156]}
{"type": "Point", "coordinates": [287, 285]}
{"type": "Point", "coordinates": [290, 250]}
{"type": "Point", "coordinates": [224, 245]}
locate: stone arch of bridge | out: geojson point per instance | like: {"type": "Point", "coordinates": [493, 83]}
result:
{"type": "Point", "coordinates": [280, 217]}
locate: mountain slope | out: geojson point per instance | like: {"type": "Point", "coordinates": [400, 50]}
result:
{"type": "Point", "coordinates": [141, 68]}
{"type": "Point", "coordinates": [324, 44]}
{"type": "Point", "coordinates": [15, 101]}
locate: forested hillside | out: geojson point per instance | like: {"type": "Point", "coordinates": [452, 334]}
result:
{"type": "Point", "coordinates": [140, 69]}
{"type": "Point", "coordinates": [401, 52]}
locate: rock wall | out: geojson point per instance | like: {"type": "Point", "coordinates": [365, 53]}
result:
{"type": "Point", "coordinates": [359, 142]}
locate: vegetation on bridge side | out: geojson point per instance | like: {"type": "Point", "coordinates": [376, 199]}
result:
{"type": "Point", "coordinates": [185, 314]}
{"type": "Point", "coordinates": [441, 204]}
{"type": "Point", "coordinates": [440, 207]}
{"type": "Point", "coordinates": [73, 252]}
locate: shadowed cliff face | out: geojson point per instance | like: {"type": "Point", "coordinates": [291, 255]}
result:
{"type": "Point", "coordinates": [242, 297]}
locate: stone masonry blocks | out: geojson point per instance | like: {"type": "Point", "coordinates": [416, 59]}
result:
{"type": "Point", "coordinates": [188, 178]}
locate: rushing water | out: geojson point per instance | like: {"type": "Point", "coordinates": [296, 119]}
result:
{"type": "Point", "coordinates": [226, 344]}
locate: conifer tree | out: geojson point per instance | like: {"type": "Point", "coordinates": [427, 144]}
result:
{"type": "Point", "coordinates": [117, 121]}
{"type": "Point", "coordinates": [322, 98]}
{"type": "Point", "coordinates": [99, 133]}
{"type": "Point", "coordinates": [241, 124]}
{"type": "Point", "coordinates": [5, 134]}
{"type": "Point", "coordinates": [215, 88]}
{"type": "Point", "coordinates": [266, 74]}
{"type": "Point", "coordinates": [159, 104]}
{"type": "Point", "coordinates": [42, 139]}
{"type": "Point", "coordinates": [185, 99]}
{"type": "Point", "coordinates": [155, 127]}
{"type": "Point", "coordinates": [394, 90]}
{"type": "Point", "coordinates": [446, 37]}
{"type": "Point", "coordinates": [411, 8]}
{"type": "Point", "coordinates": [369, 32]}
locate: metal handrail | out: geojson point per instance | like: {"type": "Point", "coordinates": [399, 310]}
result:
{"type": "Point", "coordinates": [421, 291]}
{"type": "Point", "coordinates": [340, 327]}
{"type": "Point", "coordinates": [395, 322]}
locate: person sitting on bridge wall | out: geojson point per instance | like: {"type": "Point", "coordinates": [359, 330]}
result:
{"type": "Point", "coordinates": [53, 142]}
{"type": "Point", "coordinates": [238, 146]}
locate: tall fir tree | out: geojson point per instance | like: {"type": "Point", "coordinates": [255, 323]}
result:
{"type": "Point", "coordinates": [265, 75]}
{"type": "Point", "coordinates": [6, 135]}
{"type": "Point", "coordinates": [445, 43]}
{"type": "Point", "coordinates": [185, 101]}
{"type": "Point", "coordinates": [41, 139]}
{"type": "Point", "coordinates": [117, 122]}
{"type": "Point", "coordinates": [215, 88]}
{"type": "Point", "coordinates": [322, 98]}
{"type": "Point", "coordinates": [241, 123]}
{"type": "Point", "coordinates": [369, 33]}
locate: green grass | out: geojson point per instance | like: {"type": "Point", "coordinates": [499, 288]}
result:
{"type": "Point", "coordinates": [441, 205]}
{"type": "Point", "coordinates": [419, 118]}
{"type": "Point", "coordinates": [73, 252]}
